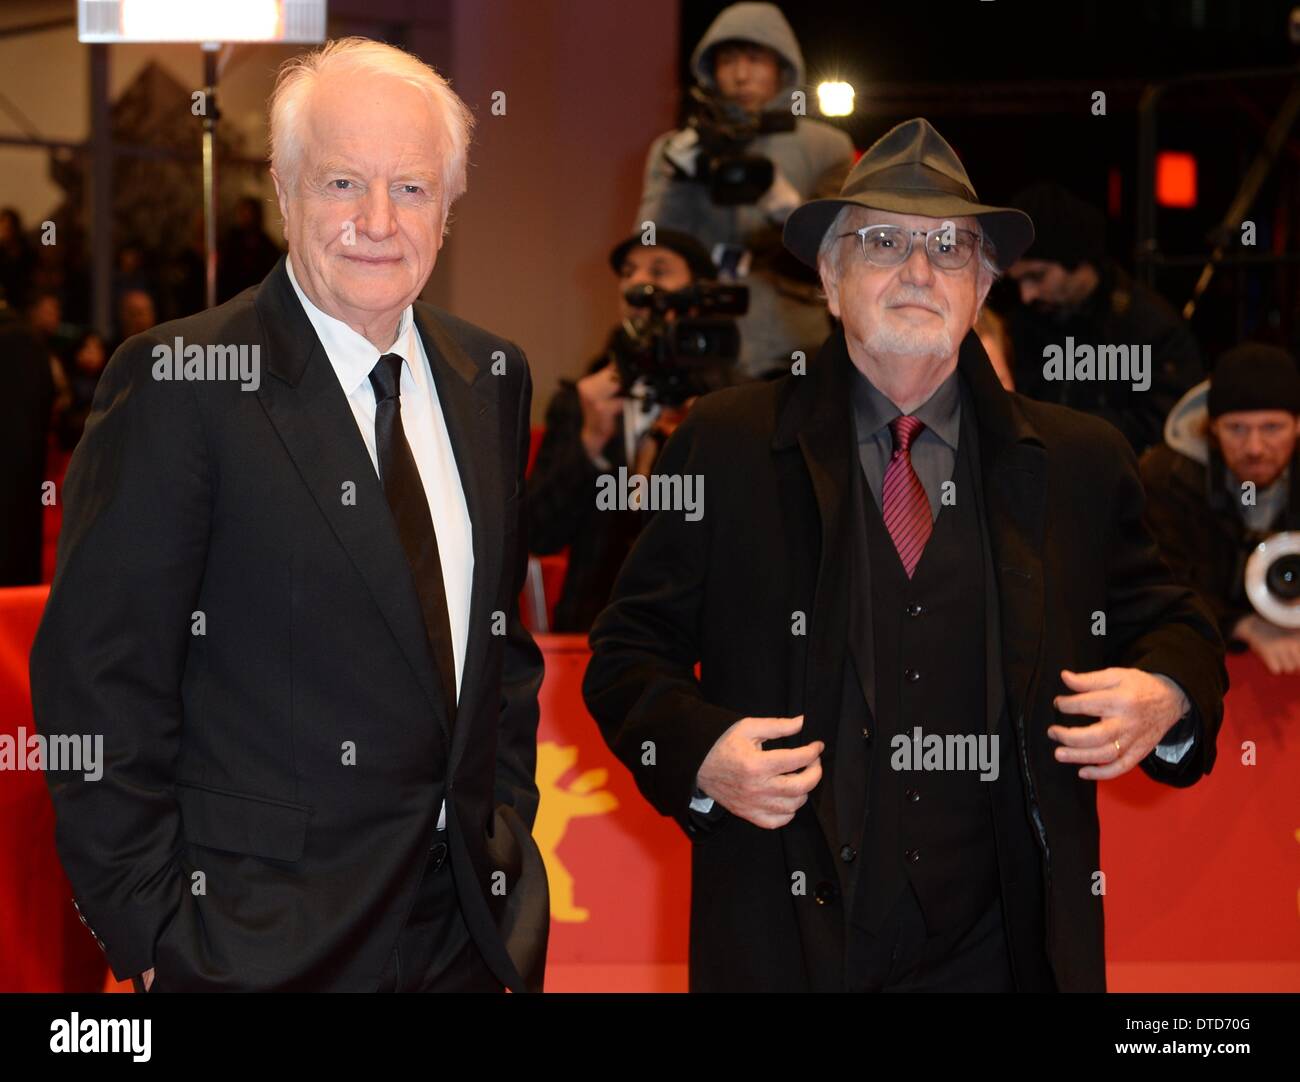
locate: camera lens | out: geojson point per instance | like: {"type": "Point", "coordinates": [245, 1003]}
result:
{"type": "Point", "coordinates": [1283, 578]}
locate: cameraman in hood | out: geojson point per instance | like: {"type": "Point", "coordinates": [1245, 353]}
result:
{"type": "Point", "coordinates": [1224, 480]}
{"type": "Point", "coordinates": [597, 425]}
{"type": "Point", "coordinates": [746, 158]}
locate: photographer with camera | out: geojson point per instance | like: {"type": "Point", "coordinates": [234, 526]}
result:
{"type": "Point", "coordinates": [666, 351]}
{"type": "Point", "coordinates": [1225, 480]}
{"type": "Point", "coordinates": [746, 158]}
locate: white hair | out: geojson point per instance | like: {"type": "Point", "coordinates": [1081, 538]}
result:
{"type": "Point", "coordinates": [830, 256]}
{"type": "Point", "coordinates": [299, 75]}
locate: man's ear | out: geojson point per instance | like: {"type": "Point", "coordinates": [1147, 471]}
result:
{"type": "Point", "coordinates": [281, 198]}
{"type": "Point", "coordinates": [830, 286]}
{"type": "Point", "coordinates": [443, 226]}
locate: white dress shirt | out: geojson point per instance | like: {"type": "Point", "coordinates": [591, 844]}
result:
{"type": "Point", "coordinates": [353, 358]}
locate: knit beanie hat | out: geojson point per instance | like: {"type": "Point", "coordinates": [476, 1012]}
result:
{"type": "Point", "coordinates": [1254, 376]}
{"type": "Point", "coordinates": [1066, 229]}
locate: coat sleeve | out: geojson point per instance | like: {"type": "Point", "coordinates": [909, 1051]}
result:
{"type": "Point", "coordinates": [522, 668]}
{"type": "Point", "coordinates": [1158, 625]}
{"type": "Point", "coordinates": [640, 685]}
{"type": "Point", "coordinates": [111, 650]}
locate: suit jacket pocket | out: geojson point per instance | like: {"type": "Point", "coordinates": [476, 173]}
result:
{"type": "Point", "coordinates": [523, 915]}
{"type": "Point", "coordinates": [237, 823]}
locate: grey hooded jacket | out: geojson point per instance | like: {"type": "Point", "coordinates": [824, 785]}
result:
{"type": "Point", "coordinates": [785, 314]}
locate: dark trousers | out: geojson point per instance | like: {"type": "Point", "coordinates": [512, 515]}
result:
{"type": "Point", "coordinates": [435, 951]}
{"type": "Point", "coordinates": [904, 957]}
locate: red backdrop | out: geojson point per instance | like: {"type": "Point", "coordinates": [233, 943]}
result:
{"type": "Point", "coordinates": [1202, 884]}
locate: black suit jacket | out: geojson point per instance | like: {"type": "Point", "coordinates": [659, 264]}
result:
{"type": "Point", "coordinates": [272, 784]}
{"type": "Point", "coordinates": [1064, 509]}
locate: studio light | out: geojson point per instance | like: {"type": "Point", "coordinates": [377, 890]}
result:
{"type": "Point", "coordinates": [835, 98]}
{"type": "Point", "coordinates": [200, 20]}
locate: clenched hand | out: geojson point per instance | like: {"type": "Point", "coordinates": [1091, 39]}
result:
{"type": "Point", "coordinates": [763, 787]}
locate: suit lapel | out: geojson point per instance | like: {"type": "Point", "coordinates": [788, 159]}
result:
{"type": "Point", "coordinates": [816, 417]}
{"type": "Point", "coordinates": [1013, 462]}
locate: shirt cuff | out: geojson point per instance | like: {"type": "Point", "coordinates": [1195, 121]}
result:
{"type": "Point", "coordinates": [701, 803]}
{"type": "Point", "coordinates": [1182, 735]}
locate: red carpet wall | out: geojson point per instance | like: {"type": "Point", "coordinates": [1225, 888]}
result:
{"type": "Point", "coordinates": [1202, 885]}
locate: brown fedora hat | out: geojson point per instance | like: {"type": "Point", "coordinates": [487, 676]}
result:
{"type": "Point", "coordinates": [911, 169]}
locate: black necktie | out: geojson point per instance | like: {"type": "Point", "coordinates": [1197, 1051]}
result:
{"type": "Point", "coordinates": [405, 492]}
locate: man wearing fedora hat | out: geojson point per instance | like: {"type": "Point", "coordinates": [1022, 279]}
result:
{"type": "Point", "coordinates": [927, 619]}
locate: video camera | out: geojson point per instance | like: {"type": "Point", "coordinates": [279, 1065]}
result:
{"type": "Point", "coordinates": [725, 130]}
{"type": "Point", "coordinates": [682, 356]}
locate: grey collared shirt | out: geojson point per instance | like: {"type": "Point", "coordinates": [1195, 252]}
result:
{"type": "Point", "coordinates": [934, 450]}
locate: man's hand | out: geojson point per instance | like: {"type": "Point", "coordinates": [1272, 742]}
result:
{"type": "Point", "coordinates": [602, 406]}
{"type": "Point", "coordinates": [1277, 647]}
{"type": "Point", "coordinates": [147, 977]}
{"type": "Point", "coordinates": [1135, 709]}
{"type": "Point", "coordinates": [764, 787]}
{"type": "Point", "coordinates": [683, 150]}
{"type": "Point", "coordinates": [647, 451]}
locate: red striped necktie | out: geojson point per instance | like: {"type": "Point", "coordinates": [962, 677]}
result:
{"type": "Point", "coordinates": [905, 505]}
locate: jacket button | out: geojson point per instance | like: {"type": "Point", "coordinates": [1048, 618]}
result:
{"type": "Point", "coordinates": [915, 610]}
{"type": "Point", "coordinates": [911, 676]}
{"type": "Point", "coordinates": [437, 854]}
{"type": "Point", "coordinates": [912, 856]}
{"type": "Point", "coordinates": [847, 854]}
{"type": "Point", "coordinates": [825, 893]}
{"type": "Point", "coordinates": [912, 795]}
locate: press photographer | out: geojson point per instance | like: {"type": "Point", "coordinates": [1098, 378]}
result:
{"type": "Point", "coordinates": [674, 342]}
{"type": "Point", "coordinates": [742, 161]}
{"type": "Point", "coordinates": [1226, 479]}
{"type": "Point", "coordinates": [677, 343]}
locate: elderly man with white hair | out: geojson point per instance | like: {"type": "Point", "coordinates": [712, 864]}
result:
{"type": "Point", "coordinates": [286, 589]}
{"type": "Point", "coordinates": [927, 619]}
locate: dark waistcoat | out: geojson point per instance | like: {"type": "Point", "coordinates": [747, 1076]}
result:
{"type": "Point", "coordinates": [958, 840]}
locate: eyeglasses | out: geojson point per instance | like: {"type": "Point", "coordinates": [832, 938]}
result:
{"type": "Point", "coordinates": [947, 247]}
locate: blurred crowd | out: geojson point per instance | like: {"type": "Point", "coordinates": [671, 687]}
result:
{"type": "Point", "coordinates": [55, 355]}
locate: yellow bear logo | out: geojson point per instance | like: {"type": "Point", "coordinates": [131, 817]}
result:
{"type": "Point", "coordinates": [558, 806]}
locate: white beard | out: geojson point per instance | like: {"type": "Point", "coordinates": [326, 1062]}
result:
{"type": "Point", "coordinates": [892, 339]}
